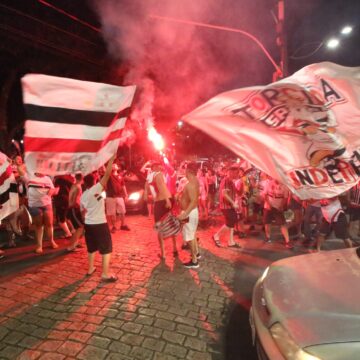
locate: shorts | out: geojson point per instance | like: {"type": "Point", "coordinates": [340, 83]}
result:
{"type": "Point", "coordinates": [41, 210]}
{"type": "Point", "coordinates": [189, 228]}
{"type": "Point", "coordinates": [258, 208]}
{"type": "Point", "coordinates": [354, 213]}
{"type": "Point", "coordinates": [75, 217]}
{"type": "Point", "coordinates": [160, 209]}
{"type": "Point", "coordinates": [115, 206]}
{"type": "Point", "coordinates": [340, 227]}
{"type": "Point", "coordinates": [98, 238]}
{"type": "Point", "coordinates": [230, 217]}
{"type": "Point", "coordinates": [273, 214]}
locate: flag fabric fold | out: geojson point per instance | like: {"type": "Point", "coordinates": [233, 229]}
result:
{"type": "Point", "coordinates": [9, 199]}
{"type": "Point", "coordinates": [71, 125]}
{"type": "Point", "coordinates": [302, 130]}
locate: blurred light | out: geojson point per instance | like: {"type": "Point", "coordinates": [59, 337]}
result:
{"type": "Point", "coordinates": [22, 141]}
{"type": "Point", "coordinates": [135, 196]}
{"type": "Point", "coordinates": [12, 140]}
{"type": "Point", "coordinates": [333, 43]}
{"type": "Point", "coordinates": [173, 144]}
{"type": "Point", "coordinates": [156, 139]}
{"type": "Point", "coordinates": [180, 123]}
{"type": "Point", "coordinates": [346, 30]}
{"type": "Point", "coordinates": [237, 160]}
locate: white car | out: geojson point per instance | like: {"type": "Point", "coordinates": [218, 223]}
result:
{"type": "Point", "coordinates": [307, 307]}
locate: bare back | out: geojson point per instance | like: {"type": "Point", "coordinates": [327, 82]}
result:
{"type": "Point", "coordinates": [190, 195]}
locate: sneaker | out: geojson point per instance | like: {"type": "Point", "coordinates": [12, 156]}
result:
{"type": "Point", "coordinates": [289, 245]}
{"type": "Point", "coordinates": [235, 245]}
{"type": "Point", "coordinates": [267, 240]}
{"type": "Point", "coordinates": [124, 227]}
{"type": "Point", "coordinates": [198, 256]}
{"type": "Point", "coordinates": [191, 265]}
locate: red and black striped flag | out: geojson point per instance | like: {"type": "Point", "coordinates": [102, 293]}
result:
{"type": "Point", "coordinates": [72, 125]}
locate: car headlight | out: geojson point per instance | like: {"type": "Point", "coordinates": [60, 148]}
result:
{"type": "Point", "coordinates": [287, 346]}
{"type": "Point", "coordinates": [135, 196]}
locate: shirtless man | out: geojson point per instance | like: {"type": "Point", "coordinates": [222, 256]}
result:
{"type": "Point", "coordinates": [189, 209]}
{"type": "Point", "coordinates": [162, 204]}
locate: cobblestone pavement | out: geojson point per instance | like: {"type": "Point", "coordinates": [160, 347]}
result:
{"type": "Point", "coordinates": [156, 310]}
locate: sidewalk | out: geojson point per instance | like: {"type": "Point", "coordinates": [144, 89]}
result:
{"type": "Point", "coordinates": [156, 310]}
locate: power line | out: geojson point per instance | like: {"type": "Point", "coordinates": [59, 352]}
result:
{"type": "Point", "coordinates": [92, 27]}
{"type": "Point", "coordinates": [47, 24]}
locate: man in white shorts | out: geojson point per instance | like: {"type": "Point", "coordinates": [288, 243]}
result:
{"type": "Point", "coordinates": [189, 210]}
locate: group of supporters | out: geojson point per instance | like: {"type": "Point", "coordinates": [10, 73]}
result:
{"type": "Point", "coordinates": [248, 199]}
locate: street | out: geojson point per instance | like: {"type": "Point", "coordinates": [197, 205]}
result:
{"type": "Point", "coordinates": [157, 310]}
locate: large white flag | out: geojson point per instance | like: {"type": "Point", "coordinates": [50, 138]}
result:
{"type": "Point", "coordinates": [71, 125]}
{"type": "Point", "coordinates": [9, 199]}
{"type": "Point", "coordinates": [303, 130]}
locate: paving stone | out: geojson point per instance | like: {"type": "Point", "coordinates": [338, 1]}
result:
{"type": "Point", "coordinates": [80, 336]}
{"type": "Point", "coordinates": [92, 353]}
{"type": "Point", "coordinates": [28, 342]}
{"type": "Point", "coordinates": [99, 341]}
{"type": "Point", "coordinates": [195, 344]}
{"type": "Point", "coordinates": [151, 331]}
{"type": "Point", "coordinates": [70, 348]}
{"type": "Point", "coordinates": [3, 332]}
{"type": "Point", "coordinates": [132, 339]}
{"type": "Point", "coordinates": [126, 315]}
{"type": "Point", "coordinates": [59, 335]}
{"type": "Point", "coordinates": [165, 315]}
{"type": "Point", "coordinates": [27, 328]}
{"type": "Point", "coordinates": [29, 355]}
{"type": "Point", "coordinates": [132, 327]}
{"type": "Point", "coordinates": [185, 320]}
{"type": "Point", "coordinates": [112, 333]}
{"type": "Point", "coordinates": [195, 355]}
{"type": "Point", "coordinates": [49, 345]}
{"type": "Point", "coordinates": [13, 337]}
{"type": "Point", "coordinates": [141, 353]}
{"type": "Point", "coordinates": [52, 356]}
{"type": "Point", "coordinates": [173, 337]}
{"type": "Point", "coordinates": [120, 347]}
{"type": "Point", "coordinates": [144, 320]}
{"type": "Point", "coordinates": [115, 323]}
{"type": "Point", "coordinates": [187, 330]}
{"type": "Point", "coordinates": [162, 356]}
{"type": "Point", "coordinates": [175, 350]}
{"type": "Point", "coordinates": [117, 356]}
{"type": "Point", "coordinates": [146, 311]}
{"type": "Point", "coordinates": [165, 324]}
{"type": "Point", "coordinates": [10, 352]}
{"type": "Point", "coordinates": [41, 333]}
{"type": "Point", "coordinates": [153, 344]}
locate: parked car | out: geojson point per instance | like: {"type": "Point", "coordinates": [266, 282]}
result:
{"type": "Point", "coordinates": [308, 308]}
{"type": "Point", "coordinates": [135, 189]}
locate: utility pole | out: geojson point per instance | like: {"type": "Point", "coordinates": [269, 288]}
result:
{"type": "Point", "coordinates": [281, 40]}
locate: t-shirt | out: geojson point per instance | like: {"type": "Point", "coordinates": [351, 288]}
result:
{"type": "Point", "coordinates": [93, 201]}
{"type": "Point", "coordinates": [331, 209]}
{"type": "Point", "coordinates": [38, 188]}
{"type": "Point", "coordinates": [227, 184]}
{"type": "Point", "coordinates": [277, 195]}
{"type": "Point", "coordinates": [115, 187]}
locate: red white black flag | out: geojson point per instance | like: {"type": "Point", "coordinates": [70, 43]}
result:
{"type": "Point", "coordinates": [303, 130]}
{"type": "Point", "coordinates": [71, 125]}
{"type": "Point", "coordinates": [9, 199]}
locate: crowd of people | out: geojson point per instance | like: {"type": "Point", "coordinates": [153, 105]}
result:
{"type": "Point", "coordinates": [178, 197]}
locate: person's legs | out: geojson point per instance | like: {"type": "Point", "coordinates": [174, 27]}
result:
{"type": "Point", "coordinates": [285, 234]}
{"type": "Point", "coordinates": [105, 265]}
{"type": "Point", "coordinates": [162, 247]}
{"type": "Point", "coordinates": [48, 226]}
{"type": "Point", "coordinates": [174, 245]}
{"type": "Point", "coordinates": [319, 241]}
{"type": "Point", "coordinates": [194, 250]}
{"type": "Point", "coordinates": [39, 231]}
{"type": "Point", "coordinates": [91, 259]}
{"type": "Point", "coordinates": [218, 234]}
{"type": "Point", "coordinates": [65, 228]}
{"type": "Point", "coordinates": [74, 241]}
{"type": "Point", "coordinates": [231, 241]}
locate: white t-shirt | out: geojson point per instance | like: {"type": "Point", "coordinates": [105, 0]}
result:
{"type": "Point", "coordinates": [332, 210]}
{"type": "Point", "coordinates": [277, 195]}
{"type": "Point", "coordinates": [38, 188]}
{"type": "Point", "coordinates": [93, 201]}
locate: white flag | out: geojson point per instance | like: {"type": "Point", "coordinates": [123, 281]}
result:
{"type": "Point", "coordinates": [303, 130]}
{"type": "Point", "coordinates": [72, 125]}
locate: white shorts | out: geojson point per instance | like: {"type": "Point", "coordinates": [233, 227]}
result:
{"type": "Point", "coordinates": [189, 229]}
{"type": "Point", "coordinates": [115, 206]}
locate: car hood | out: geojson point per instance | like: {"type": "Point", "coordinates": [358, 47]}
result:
{"type": "Point", "coordinates": [316, 297]}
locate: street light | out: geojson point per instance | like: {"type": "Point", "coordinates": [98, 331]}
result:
{"type": "Point", "coordinates": [333, 43]}
{"type": "Point", "coordinates": [346, 30]}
